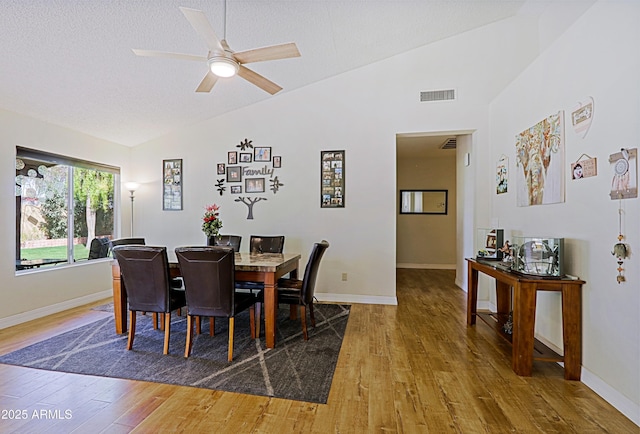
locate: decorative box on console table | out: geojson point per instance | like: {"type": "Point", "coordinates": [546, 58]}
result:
{"type": "Point", "coordinates": [538, 256]}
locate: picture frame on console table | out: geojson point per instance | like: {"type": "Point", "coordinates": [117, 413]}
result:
{"type": "Point", "coordinates": [172, 185]}
{"type": "Point", "coordinates": [332, 179]}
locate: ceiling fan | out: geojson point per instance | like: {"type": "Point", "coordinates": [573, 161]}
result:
{"type": "Point", "coordinates": [222, 61]}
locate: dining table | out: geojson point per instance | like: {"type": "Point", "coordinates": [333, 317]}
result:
{"type": "Point", "coordinates": [265, 268]}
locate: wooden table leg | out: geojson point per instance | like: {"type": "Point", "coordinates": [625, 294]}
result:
{"type": "Point", "coordinates": [572, 330]}
{"type": "Point", "coordinates": [524, 313]}
{"type": "Point", "coordinates": [119, 300]}
{"type": "Point", "coordinates": [472, 294]}
{"type": "Point", "coordinates": [270, 309]}
{"type": "Point", "coordinates": [503, 298]}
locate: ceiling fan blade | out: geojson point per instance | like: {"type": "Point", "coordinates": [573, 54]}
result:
{"type": "Point", "coordinates": [258, 80]}
{"type": "Point", "coordinates": [207, 82]}
{"type": "Point", "coordinates": [167, 55]}
{"type": "Point", "coordinates": [199, 22]}
{"type": "Point", "coordinates": [273, 52]}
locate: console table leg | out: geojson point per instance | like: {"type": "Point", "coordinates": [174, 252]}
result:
{"type": "Point", "coordinates": [572, 330]}
{"type": "Point", "coordinates": [524, 313]}
{"type": "Point", "coordinates": [503, 298]}
{"type": "Point", "coordinates": [472, 294]}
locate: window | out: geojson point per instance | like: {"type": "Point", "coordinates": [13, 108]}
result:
{"type": "Point", "coordinates": [62, 204]}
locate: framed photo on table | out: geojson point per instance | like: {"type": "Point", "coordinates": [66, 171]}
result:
{"type": "Point", "coordinates": [172, 185]}
{"type": "Point", "coordinates": [332, 180]}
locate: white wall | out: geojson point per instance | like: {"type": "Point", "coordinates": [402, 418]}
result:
{"type": "Point", "coordinates": [425, 240]}
{"type": "Point", "coordinates": [360, 112]}
{"type": "Point", "coordinates": [598, 56]}
{"type": "Point", "coordinates": [39, 293]}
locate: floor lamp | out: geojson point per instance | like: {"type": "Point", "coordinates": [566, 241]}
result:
{"type": "Point", "coordinates": [132, 187]}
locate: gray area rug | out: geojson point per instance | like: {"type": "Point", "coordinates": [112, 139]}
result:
{"type": "Point", "coordinates": [296, 369]}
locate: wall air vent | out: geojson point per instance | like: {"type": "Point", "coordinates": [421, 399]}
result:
{"type": "Point", "coordinates": [438, 95]}
{"type": "Point", "coordinates": [450, 143]}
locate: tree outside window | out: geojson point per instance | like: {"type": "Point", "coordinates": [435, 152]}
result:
{"type": "Point", "coordinates": [55, 193]}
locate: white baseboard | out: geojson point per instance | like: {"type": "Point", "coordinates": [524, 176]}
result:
{"type": "Point", "coordinates": [427, 266]}
{"type": "Point", "coordinates": [354, 298]}
{"type": "Point", "coordinates": [55, 308]}
{"type": "Point", "coordinates": [623, 404]}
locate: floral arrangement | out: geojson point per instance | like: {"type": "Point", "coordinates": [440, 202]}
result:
{"type": "Point", "coordinates": [211, 222]}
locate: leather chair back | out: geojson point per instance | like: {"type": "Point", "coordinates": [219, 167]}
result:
{"type": "Point", "coordinates": [233, 241]}
{"type": "Point", "coordinates": [209, 280]}
{"type": "Point", "coordinates": [126, 242]}
{"type": "Point", "coordinates": [262, 244]}
{"type": "Point", "coordinates": [99, 248]}
{"type": "Point", "coordinates": [311, 271]}
{"type": "Point", "coordinates": [145, 273]}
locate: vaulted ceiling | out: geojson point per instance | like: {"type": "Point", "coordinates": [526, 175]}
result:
{"type": "Point", "coordinates": [69, 62]}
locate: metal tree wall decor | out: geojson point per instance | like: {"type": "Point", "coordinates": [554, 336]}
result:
{"type": "Point", "coordinates": [249, 202]}
{"type": "Point", "coordinates": [247, 170]}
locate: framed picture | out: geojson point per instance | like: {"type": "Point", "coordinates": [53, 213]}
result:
{"type": "Point", "coordinates": [221, 170]}
{"type": "Point", "coordinates": [236, 189]}
{"type": "Point", "coordinates": [277, 161]}
{"type": "Point", "coordinates": [424, 201]}
{"type": "Point", "coordinates": [261, 154]}
{"type": "Point", "coordinates": [332, 180]}
{"type": "Point", "coordinates": [234, 174]}
{"type": "Point", "coordinates": [172, 185]}
{"type": "Point", "coordinates": [232, 157]}
{"type": "Point", "coordinates": [254, 185]}
{"type": "Point", "coordinates": [245, 157]}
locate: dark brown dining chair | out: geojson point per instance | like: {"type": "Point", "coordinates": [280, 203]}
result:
{"type": "Point", "coordinates": [209, 283]}
{"type": "Point", "coordinates": [261, 244]}
{"type": "Point", "coordinates": [99, 248]}
{"type": "Point", "coordinates": [297, 292]}
{"type": "Point", "coordinates": [233, 241]}
{"type": "Point", "coordinates": [145, 273]}
{"type": "Point", "coordinates": [126, 242]}
{"type": "Point", "coordinates": [266, 244]}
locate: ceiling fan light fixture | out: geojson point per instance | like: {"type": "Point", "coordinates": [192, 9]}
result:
{"type": "Point", "coordinates": [223, 66]}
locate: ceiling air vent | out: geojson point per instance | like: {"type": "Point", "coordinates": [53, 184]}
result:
{"type": "Point", "coordinates": [450, 143]}
{"type": "Point", "coordinates": [438, 95]}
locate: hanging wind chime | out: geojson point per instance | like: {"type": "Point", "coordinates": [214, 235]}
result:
{"type": "Point", "coordinates": [620, 249]}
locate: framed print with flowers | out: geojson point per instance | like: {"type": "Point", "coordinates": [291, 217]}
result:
{"type": "Point", "coordinates": [172, 185]}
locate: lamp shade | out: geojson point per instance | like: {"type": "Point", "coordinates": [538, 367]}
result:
{"type": "Point", "coordinates": [132, 186]}
{"type": "Point", "coordinates": [223, 66]}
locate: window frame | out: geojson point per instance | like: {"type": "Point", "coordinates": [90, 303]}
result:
{"type": "Point", "coordinates": [72, 163]}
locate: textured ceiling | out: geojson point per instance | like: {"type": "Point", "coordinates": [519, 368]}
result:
{"type": "Point", "coordinates": [69, 62]}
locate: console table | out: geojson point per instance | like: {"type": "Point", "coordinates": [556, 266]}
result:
{"type": "Point", "coordinates": [525, 348]}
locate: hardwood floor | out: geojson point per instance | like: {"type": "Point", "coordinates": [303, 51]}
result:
{"type": "Point", "coordinates": [411, 368]}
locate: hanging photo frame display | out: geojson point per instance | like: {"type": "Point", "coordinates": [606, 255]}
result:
{"type": "Point", "coordinates": [584, 167]}
{"type": "Point", "coordinates": [502, 174]}
{"type": "Point", "coordinates": [172, 185]}
{"type": "Point", "coordinates": [624, 167]}
{"type": "Point", "coordinates": [250, 170]}
{"type": "Point", "coordinates": [332, 191]}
